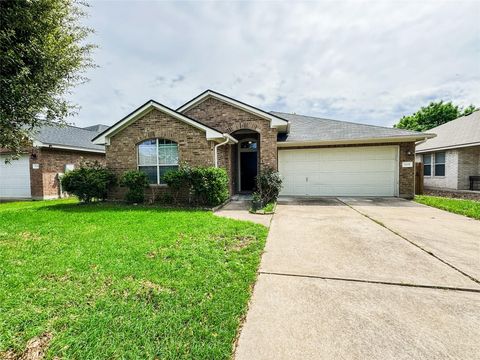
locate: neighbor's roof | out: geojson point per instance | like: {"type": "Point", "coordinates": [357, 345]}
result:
{"type": "Point", "coordinates": [67, 137]}
{"type": "Point", "coordinates": [97, 128]}
{"type": "Point", "coordinates": [461, 132]}
{"type": "Point", "coordinates": [313, 129]}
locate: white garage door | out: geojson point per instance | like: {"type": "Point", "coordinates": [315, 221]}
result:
{"type": "Point", "coordinates": [347, 171]}
{"type": "Point", "coordinates": [15, 178]}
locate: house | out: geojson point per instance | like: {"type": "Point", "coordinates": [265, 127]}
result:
{"type": "Point", "coordinates": [316, 157]}
{"type": "Point", "coordinates": [52, 152]}
{"type": "Point", "coordinates": [453, 155]}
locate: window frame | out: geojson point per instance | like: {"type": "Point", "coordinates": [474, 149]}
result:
{"type": "Point", "coordinates": [430, 165]}
{"type": "Point", "coordinates": [443, 163]}
{"type": "Point", "coordinates": [157, 164]}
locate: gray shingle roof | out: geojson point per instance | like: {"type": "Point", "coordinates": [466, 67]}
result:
{"type": "Point", "coordinates": [461, 132]}
{"type": "Point", "coordinates": [70, 136]}
{"type": "Point", "coordinates": [309, 128]}
{"type": "Point", "coordinates": [97, 128]}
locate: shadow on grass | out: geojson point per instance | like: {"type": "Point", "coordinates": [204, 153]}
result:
{"type": "Point", "coordinates": [115, 207]}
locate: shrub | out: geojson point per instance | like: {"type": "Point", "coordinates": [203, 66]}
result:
{"type": "Point", "coordinates": [207, 185]}
{"type": "Point", "coordinates": [91, 181]}
{"type": "Point", "coordinates": [136, 182]}
{"type": "Point", "coordinates": [269, 184]}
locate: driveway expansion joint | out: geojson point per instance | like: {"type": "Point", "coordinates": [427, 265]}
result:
{"type": "Point", "coordinates": [411, 242]}
{"type": "Point", "coordinates": [369, 281]}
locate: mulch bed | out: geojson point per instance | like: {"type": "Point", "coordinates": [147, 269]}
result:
{"type": "Point", "coordinates": [453, 194]}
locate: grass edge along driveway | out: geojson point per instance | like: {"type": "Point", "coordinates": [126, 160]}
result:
{"type": "Point", "coordinates": [470, 208]}
{"type": "Point", "coordinates": [114, 281]}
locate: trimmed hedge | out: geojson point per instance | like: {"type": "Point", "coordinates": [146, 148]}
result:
{"type": "Point", "coordinates": [91, 181]}
{"type": "Point", "coordinates": [204, 185]}
{"type": "Point", "coordinates": [136, 182]}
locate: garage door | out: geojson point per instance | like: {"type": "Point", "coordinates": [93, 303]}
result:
{"type": "Point", "coordinates": [347, 171]}
{"type": "Point", "coordinates": [15, 178]}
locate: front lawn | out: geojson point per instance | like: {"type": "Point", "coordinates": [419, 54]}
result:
{"type": "Point", "coordinates": [470, 208]}
{"type": "Point", "coordinates": [112, 281]}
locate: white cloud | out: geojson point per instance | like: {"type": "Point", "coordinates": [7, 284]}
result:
{"type": "Point", "coordinates": [366, 61]}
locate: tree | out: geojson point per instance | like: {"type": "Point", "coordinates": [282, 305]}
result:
{"type": "Point", "coordinates": [433, 115]}
{"type": "Point", "coordinates": [43, 54]}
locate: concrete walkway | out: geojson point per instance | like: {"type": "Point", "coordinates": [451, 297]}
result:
{"type": "Point", "coordinates": [337, 282]}
{"type": "Point", "coordinates": [238, 210]}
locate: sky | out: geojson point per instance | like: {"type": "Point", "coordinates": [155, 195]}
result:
{"type": "Point", "coordinates": [363, 61]}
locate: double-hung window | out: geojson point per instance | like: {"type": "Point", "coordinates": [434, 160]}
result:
{"type": "Point", "coordinates": [427, 165]}
{"type": "Point", "coordinates": [156, 157]}
{"type": "Point", "coordinates": [440, 164]}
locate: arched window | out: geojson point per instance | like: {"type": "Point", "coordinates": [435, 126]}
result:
{"type": "Point", "coordinates": [156, 157]}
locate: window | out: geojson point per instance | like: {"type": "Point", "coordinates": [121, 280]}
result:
{"type": "Point", "coordinates": [427, 165]}
{"type": "Point", "coordinates": [440, 164]}
{"type": "Point", "coordinates": [156, 157]}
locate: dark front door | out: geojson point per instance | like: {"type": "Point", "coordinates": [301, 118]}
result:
{"type": "Point", "coordinates": [248, 170]}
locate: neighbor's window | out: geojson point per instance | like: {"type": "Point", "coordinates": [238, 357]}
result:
{"type": "Point", "coordinates": [440, 164]}
{"type": "Point", "coordinates": [427, 165]}
{"type": "Point", "coordinates": [156, 157]}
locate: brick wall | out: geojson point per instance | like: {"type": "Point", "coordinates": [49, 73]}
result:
{"type": "Point", "coordinates": [468, 165]}
{"type": "Point", "coordinates": [44, 180]}
{"type": "Point", "coordinates": [406, 175]}
{"type": "Point", "coordinates": [228, 119]}
{"type": "Point", "coordinates": [193, 147]}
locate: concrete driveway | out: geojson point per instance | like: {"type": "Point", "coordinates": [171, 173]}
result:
{"type": "Point", "coordinates": [365, 278]}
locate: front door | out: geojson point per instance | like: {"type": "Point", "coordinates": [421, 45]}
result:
{"type": "Point", "coordinates": [248, 164]}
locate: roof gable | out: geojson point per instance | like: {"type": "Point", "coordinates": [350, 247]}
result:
{"type": "Point", "coordinates": [461, 132]}
{"type": "Point", "coordinates": [103, 138]}
{"type": "Point", "coordinates": [275, 120]}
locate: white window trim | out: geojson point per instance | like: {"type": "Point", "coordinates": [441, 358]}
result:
{"type": "Point", "coordinates": [157, 165]}
{"type": "Point", "coordinates": [431, 164]}
{"type": "Point", "coordinates": [434, 164]}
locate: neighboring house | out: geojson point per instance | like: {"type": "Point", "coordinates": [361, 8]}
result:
{"type": "Point", "coordinates": [53, 151]}
{"type": "Point", "coordinates": [453, 155]}
{"type": "Point", "coordinates": [316, 157]}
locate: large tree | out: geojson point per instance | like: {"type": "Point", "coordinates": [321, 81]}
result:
{"type": "Point", "coordinates": [433, 115]}
{"type": "Point", "coordinates": [43, 54]}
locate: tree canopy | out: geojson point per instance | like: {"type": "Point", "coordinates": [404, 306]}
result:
{"type": "Point", "coordinates": [433, 115]}
{"type": "Point", "coordinates": [43, 54]}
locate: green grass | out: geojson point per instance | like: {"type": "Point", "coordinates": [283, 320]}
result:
{"type": "Point", "coordinates": [269, 207]}
{"type": "Point", "coordinates": [109, 281]}
{"type": "Point", "coordinates": [468, 208]}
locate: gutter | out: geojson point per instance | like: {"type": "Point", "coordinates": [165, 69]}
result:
{"type": "Point", "coordinates": [227, 138]}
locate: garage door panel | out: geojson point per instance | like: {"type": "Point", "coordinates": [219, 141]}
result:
{"type": "Point", "coordinates": [15, 178]}
{"type": "Point", "coordinates": [352, 171]}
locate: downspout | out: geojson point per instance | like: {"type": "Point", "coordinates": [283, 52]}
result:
{"type": "Point", "coordinates": [217, 146]}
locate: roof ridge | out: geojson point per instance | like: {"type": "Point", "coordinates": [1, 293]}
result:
{"type": "Point", "coordinates": [343, 121]}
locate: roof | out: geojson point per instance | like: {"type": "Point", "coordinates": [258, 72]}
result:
{"type": "Point", "coordinates": [461, 132]}
{"type": "Point", "coordinates": [313, 129]}
{"type": "Point", "coordinates": [97, 128]}
{"type": "Point", "coordinates": [210, 133]}
{"type": "Point", "coordinates": [276, 121]}
{"type": "Point", "coordinates": [67, 137]}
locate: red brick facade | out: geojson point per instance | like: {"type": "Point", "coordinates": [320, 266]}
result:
{"type": "Point", "coordinates": [50, 162]}
{"type": "Point", "coordinates": [196, 150]}
{"type": "Point", "coordinates": [193, 147]}
{"type": "Point", "coordinates": [228, 119]}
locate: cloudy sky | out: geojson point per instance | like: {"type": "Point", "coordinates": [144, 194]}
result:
{"type": "Point", "coordinates": [362, 61]}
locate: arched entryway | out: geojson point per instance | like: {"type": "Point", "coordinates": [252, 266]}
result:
{"type": "Point", "coordinates": [246, 159]}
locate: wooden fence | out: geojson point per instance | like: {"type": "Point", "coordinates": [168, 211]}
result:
{"type": "Point", "coordinates": [418, 178]}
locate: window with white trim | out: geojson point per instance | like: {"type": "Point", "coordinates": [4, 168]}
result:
{"type": "Point", "coordinates": [439, 164]}
{"type": "Point", "coordinates": [156, 157]}
{"type": "Point", "coordinates": [427, 165]}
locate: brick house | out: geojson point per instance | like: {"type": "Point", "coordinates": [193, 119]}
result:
{"type": "Point", "coordinates": [316, 157]}
{"type": "Point", "coordinates": [453, 156]}
{"type": "Point", "coordinates": [53, 150]}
